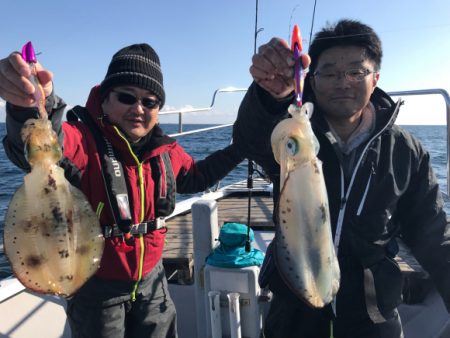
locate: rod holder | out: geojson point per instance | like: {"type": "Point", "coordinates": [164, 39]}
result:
{"type": "Point", "coordinates": [214, 312]}
{"type": "Point", "coordinates": [235, 318]}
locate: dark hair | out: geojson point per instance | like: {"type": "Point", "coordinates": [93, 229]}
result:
{"type": "Point", "coordinates": [346, 33]}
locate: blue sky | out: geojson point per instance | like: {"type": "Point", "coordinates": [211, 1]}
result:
{"type": "Point", "coordinates": [207, 44]}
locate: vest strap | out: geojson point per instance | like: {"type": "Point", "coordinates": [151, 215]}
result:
{"type": "Point", "coordinates": [136, 229]}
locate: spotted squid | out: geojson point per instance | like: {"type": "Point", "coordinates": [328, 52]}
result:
{"type": "Point", "coordinates": [304, 250]}
{"type": "Point", "coordinates": [52, 237]}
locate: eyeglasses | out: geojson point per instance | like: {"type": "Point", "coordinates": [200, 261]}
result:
{"type": "Point", "coordinates": [352, 75]}
{"type": "Point", "coordinates": [130, 99]}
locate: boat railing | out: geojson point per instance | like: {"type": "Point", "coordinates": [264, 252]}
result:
{"type": "Point", "coordinates": [444, 94]}
{"type": "Point", "coordinates": [181, 112]}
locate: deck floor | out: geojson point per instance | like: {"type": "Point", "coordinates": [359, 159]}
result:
{"type": "Point", "coordinates": [179, 252]}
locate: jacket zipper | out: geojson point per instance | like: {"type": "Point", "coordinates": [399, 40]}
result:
{"type": "Point", "coordinates": [337, 236]}
{"type": "Point", "coordinates": [363, 200]}
{"type": "Point", "coordinates": [99, 209]}
{"type": "Point", "coordinates": [141, 236]}
{"type": "Point", "coordinates": [344, 199]}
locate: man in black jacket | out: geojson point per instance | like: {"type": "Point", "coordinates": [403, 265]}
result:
{"type": "Point", "coordinates": [379, 181]}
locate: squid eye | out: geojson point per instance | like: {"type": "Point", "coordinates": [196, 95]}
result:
{"type": "Point", "coordinates": [292, 146]}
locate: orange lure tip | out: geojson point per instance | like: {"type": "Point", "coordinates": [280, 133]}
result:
{"type": "Point", "coordinates": [296, 39]}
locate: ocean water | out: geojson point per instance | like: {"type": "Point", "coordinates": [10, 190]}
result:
{"type": "Point", "coordinates": [199, 146]}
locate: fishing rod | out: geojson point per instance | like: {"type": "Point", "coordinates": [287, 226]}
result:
{"type": "Point", "coordinates": [312, 23]}
{"type": "Point", "coordinates": [250, 165]}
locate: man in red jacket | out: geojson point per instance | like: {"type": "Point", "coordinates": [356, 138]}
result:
{"type": "Point", "coordinates": [128, 296]}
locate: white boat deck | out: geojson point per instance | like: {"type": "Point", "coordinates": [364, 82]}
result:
{"type": "Point", "coordinates": [33, 315]}
{"type": "Point", "coordinates": [29, 315]}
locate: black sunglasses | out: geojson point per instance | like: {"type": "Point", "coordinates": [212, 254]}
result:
{"type": "Point", "coordinates": [130, 99]}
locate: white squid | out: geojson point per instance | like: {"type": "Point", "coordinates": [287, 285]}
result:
{"type": "Point", "coordinates": [52, 237]}
{"type": "Point", "coordinates": [304, 249]}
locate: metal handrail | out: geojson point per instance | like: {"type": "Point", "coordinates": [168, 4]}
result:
{"type": "Point", "coordinates": [200, 130]}
{"type": "Point", "coordinates": [180, 112]}
{"type": "Point", "coordinates": [205, 109]}
{"type": "Point", "coordinates": [444, 94]}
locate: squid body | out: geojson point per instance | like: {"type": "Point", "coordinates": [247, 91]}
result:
{"type": "Point", "coordinates": [304, 249]}
{"type": "Point", "coordinates": [52, 237]}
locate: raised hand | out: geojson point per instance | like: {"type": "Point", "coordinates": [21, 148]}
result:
{"type": "Point", "coordinates": [15, 86]}
{"type": "Point", "coordinates": [273, 67]}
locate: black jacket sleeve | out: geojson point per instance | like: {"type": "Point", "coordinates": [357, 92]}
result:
{"type": "Point", "coordinates": [425, 225]}
{"type": "Point", "coordinates": [207, 172]}
{"type": "Point", "coordinates": [16, 117]}
{"type": "Point", "coordinates": [258, 115]}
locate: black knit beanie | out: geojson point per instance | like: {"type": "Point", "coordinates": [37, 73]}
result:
{"type": "Point", "coordinates": [136, 65]}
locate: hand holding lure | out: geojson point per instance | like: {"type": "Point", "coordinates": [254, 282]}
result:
{"type": "Point", "coordinates": [29, 56]}
{"type": "Point", "coordinates": [300, 67]}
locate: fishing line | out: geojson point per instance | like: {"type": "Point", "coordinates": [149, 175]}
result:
{"type": "Point", "coordinates": [290, 21]}
{"type": "Point", "coordinates": [379, 32]}
{"type": "Point", "coordinates": [312, 22]}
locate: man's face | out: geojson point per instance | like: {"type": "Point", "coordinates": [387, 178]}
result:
{"type": "Point", "coordinates": [342, 97]}
{"type": "Point", "coordinates": [132, 109]}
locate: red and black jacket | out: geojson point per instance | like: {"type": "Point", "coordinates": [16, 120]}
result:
{"type": "Point", "coordinates": [83, 169]}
